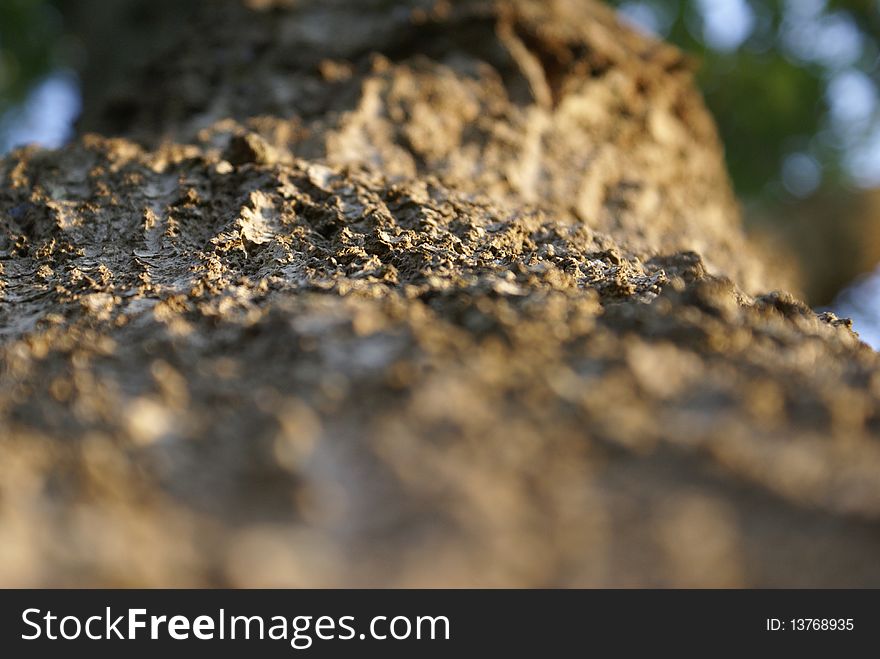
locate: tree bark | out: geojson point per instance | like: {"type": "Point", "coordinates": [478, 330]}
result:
{"type": "Point", "coordinates": [415, 293]}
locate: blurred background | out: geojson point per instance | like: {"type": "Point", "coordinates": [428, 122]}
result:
{"type": "Point", "coordinates": [792, 83]}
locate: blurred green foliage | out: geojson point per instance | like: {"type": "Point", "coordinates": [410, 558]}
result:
{"type": "Point", "coordinates": [30, 43]}
{"type": "Point", "coordinates": [792, 83]}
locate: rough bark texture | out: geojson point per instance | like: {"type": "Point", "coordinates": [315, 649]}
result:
{"type": "Point", "coordinates": [416, 294]}
{"type": "Point", "coordinates": [526, 102]}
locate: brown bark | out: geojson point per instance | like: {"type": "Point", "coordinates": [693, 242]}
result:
{"type": "Point", "coordinates": [449, 295]}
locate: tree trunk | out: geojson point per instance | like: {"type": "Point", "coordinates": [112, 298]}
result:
{"type": "Point", "coordinates": [415, 293]}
